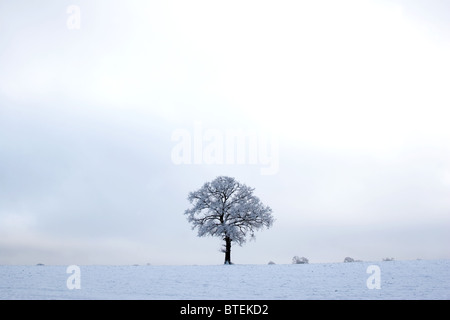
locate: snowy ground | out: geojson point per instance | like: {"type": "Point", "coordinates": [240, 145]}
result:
{"type": "Point", "coordinates": [418, 279]}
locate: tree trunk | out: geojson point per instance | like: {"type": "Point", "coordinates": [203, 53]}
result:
{"type": "Point", "coordinates": [227, 250]}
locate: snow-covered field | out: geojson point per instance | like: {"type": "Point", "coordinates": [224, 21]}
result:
{"type": "Point", "coordinates": [418, 279]}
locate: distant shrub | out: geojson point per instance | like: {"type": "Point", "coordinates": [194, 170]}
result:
{"type": "Point", "coordinates": [349, 259]}
{"type": "Point", "coordinates": [297, 260]}
{"type": "Point", "coordinates": [388, 259]}
{"type": "Point", "coordinates": [271, 262]}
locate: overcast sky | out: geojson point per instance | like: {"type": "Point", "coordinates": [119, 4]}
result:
{"type": "Point", "coordinates": [111, 112]}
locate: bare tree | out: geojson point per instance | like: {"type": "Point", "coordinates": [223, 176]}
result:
{"type": "Point", "coordinates": [228, 209]}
